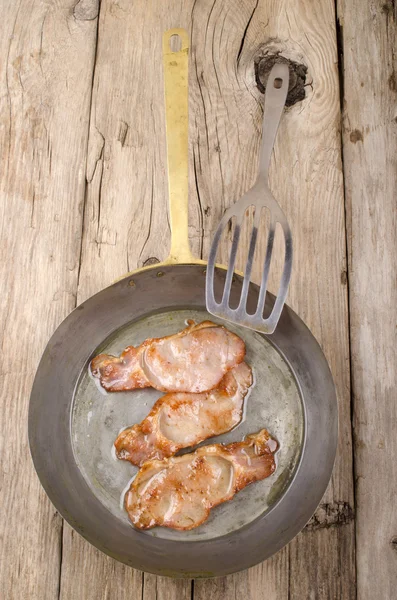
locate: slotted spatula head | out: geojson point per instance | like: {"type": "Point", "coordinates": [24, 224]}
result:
{"type": "Point", "coordinates": [259, 197]}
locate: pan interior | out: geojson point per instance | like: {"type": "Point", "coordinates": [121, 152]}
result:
{"type": "Point", "coordinates": [274, 402]}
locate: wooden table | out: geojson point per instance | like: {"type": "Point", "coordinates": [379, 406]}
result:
{"type": "Point", "coordinates": [84, 200]}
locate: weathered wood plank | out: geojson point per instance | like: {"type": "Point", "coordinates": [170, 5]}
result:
{"type": "Point", "coordinates": [126, 210]}
{"type": "Point", "coordinates": [369, 34]}
{"type": "Point", "coordinates": [46, 63]}
{"type": "Point", "coordinates": [125, 223]}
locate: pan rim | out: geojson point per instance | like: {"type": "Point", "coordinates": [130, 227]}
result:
{"type": "Point", "coordinates": [188, 272]}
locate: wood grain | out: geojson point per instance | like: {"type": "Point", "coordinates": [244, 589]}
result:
{"type": "Point", "coordinates": [370, 158]}
{"type": "Point", "coordinates": [47, 57]}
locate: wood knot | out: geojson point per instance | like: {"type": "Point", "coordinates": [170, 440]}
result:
{"type": "Point", "coordinates": [389, 8]}
{"type": "Point", "coordinates": [86, 10]}
{"type": "Point", "coordinates": [297, 76]}
{"type": "Point", "coordinates": [356, 136]}
{"type": "Point", "coordinates": [153, 260]}
{"type": "Point", "coordinates": [393, 543]}
{"type": "Point", "coordinates": [333, 514]}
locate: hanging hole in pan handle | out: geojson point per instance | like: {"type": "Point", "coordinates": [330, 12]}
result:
{"type": "Point", "coordinates": [278, 83]}
{"type": "Point", "coordinates": [175, 43]}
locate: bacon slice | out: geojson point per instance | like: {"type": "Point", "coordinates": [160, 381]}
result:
{"type": "Point", "coordinates": [193, 360]}
{"type": "Point", "coordinates": [180, 420]}
{"type": "Point", "coordinates": [179, 492]}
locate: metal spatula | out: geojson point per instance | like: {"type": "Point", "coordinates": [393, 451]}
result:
{"type": "Point", "coordinates": [260, 197]}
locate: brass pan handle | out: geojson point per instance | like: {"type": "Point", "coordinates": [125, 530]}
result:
{"type": "Point", "coordinates": [175, 64]}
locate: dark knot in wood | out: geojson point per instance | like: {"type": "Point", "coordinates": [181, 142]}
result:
{"type": "Point", "coordinates": [333, 514]}
{"type": "Point", "coordinates": [297, 76]}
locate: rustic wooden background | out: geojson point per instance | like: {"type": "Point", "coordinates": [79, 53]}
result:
{"type": "Point", "coordinates": [83, 200]}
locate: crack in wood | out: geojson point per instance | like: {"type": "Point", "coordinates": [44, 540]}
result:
{"type": "Point", "coordinates": [123, 131]}
{"type": "Point", "coordinates": [87, 179]}
{"type": "Point", "coordinates": [202, 99]}
{"type": "Point", "coordinates": [339, 48]}
{"type": "Point", "coordinates": [200, 205]}
{"type": "Point", "coordinates": [99, 150]}
{"type": "Point", "coordinates": [41, 43]}
{"type": "Point", "coordinates": [81, 238]}
{"type": "Point", "coordinates": [209, 19]}
{"type": "Point", "coordinates": [218, 148]}
{"type": "Point", "coordinates": [100, 159]}
{"type": "Point", "coordinates": [60, 555]}
{"type": "Point", "coordinates": [346, 272]}
{"type": "Point", "coordinates": [245, 32]}
{"type": "Point", "coordinates": [150, 221]}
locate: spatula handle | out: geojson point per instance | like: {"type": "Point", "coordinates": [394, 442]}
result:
{"type": "Point", "coordinates": [275, 97]}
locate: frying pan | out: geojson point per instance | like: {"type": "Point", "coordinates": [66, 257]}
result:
{"type": "Point", "coordinates": [73, 422]}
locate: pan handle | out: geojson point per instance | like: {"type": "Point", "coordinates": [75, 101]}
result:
{"type": "Point", "coordinates": [175, 64]}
